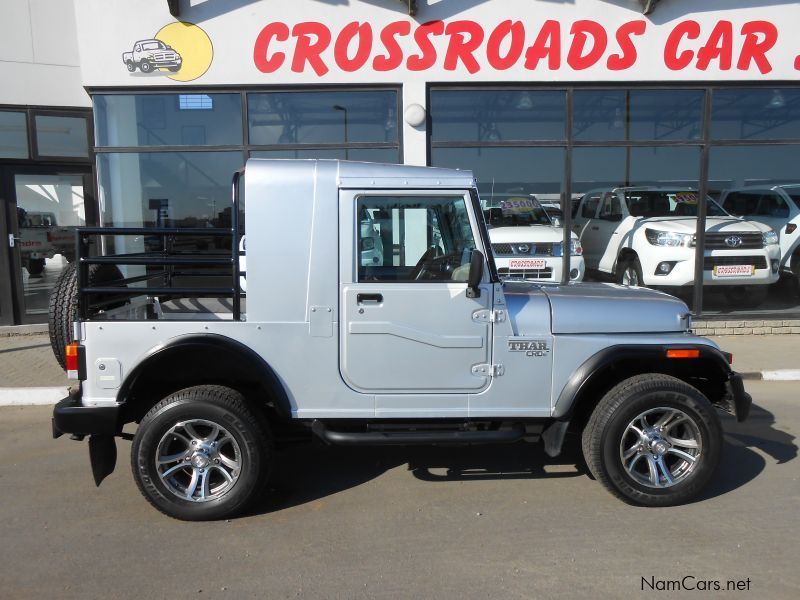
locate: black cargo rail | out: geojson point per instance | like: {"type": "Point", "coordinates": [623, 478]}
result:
{"type": "Point", "coordinates": [117, 291]}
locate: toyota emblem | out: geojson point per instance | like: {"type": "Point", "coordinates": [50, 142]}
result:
{"type": "Point", "coordinates": [733, 241]}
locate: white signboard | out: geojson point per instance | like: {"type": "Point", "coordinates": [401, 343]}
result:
{"type": "Point", "coordinates": [240, 42]}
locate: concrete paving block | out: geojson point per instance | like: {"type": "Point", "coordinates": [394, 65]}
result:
{"type": "Point", "coordinates": [754, 323]}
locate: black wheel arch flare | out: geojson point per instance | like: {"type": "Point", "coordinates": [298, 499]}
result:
{"type": "Point", "coordinates": [600, 372]}
{"type": "Point", "coordinates": [199, 359]}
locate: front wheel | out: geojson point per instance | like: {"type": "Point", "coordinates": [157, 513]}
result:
{"type": "Point", "coordinates": [629, 272]}
{"type": "Point", "coordinates": [653, 440]}
{"type": "Point", "coordinates": [201, 454]}
{"type": "Point", "coordinates": [145, 66]}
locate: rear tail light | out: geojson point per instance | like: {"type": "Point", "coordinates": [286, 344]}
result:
{"type": "Point", "coordinates": [75, 357]}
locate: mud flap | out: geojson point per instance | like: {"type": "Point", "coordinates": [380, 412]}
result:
{"type": "Point", "coordinates": [103, 456]}
{"type": "Point", "coordinates": [553, 438]}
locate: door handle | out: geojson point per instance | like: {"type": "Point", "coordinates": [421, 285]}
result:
{"type": "Point", "coordinates": [363, 298]}
{"type": "Point", "coordinates": [595, 228]}
{"type": "Point", "coordinates": [12, 240]}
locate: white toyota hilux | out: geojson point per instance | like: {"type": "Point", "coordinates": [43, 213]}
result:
{"type": "Point", "coordinates": [646, 236]}
{"type": "Point", "coordinates": [527, 242]}
{"type": "Point", "coordinates": [776, 206]}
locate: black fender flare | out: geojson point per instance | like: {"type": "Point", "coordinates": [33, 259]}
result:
{"type": "Point", "coordinates": [581, 379]}
{"type": "Point", "coordinates": [222, 359]}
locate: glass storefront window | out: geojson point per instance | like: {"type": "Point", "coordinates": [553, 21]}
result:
{"type": "Point", "coordinates": [61, 136]}
{"type": "Point", "coordinates": [616, 115]}
{"type": "Point", "coordinates": [666, 114]}
{"type": "Point", "coordinates": [330, 117]}
{"type": "Point", "coordinates": [380, 155]}
{"type": "Point", "coordinates": [760, 184]}
{"type": "Point", "coordinates": [508, 171]}
{"type": "Point", "coordinates": [599, 115]}
{"type": "Point", "coordinates": [168, 120]}
{"type": "Point", "coordinates": [166, 189]}
{"type": "Point", "coordinates": [13, 135]}
{"type": "Point", "coordinates": [497, 115]}
{"type": "Point", "coordinates": [755, 113]}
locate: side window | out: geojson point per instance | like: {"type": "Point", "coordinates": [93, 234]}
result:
{"type": "Point", "coordinates": [589, 208]}
{"type": "Point", "coordinates": [611, 207]}
{"type": "Point", "coordinates": [413, 238]}
{"type": "Point", "coordinates": [137, 48]}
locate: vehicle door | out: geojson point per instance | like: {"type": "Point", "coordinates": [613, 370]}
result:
{"type": "Point", "coordinates": [585, 227]}
{"type": "Point", "coordinates": [408, 325]}
{"type": "Point", "coordinates": [609, 230]}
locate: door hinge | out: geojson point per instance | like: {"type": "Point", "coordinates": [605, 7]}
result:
{"type": "Point", "coordinates": [487, 370]}
{"type": "Point", "coordinates": [489, 316]}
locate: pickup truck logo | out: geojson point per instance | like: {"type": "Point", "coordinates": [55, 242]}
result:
{"type": "Point", "coordinates": [181, 51]}
{"type": "Point", "coordinates": [529, 347]}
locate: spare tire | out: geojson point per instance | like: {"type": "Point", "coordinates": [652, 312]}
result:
{"type": "Point", "coordinates": [63, 308]}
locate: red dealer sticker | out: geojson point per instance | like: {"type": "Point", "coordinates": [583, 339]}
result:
{"type": "Point", "coordinates": [734, 270]}
{"type": "Point", "coordinates": [527, 263]}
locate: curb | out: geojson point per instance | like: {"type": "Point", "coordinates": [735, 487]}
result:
{"type": "Point", "coordinates": [32, 396]}
{"type": "Point", "coordinates": [18, 330]}
{"type": "Point", "coordinates": [779, 375]}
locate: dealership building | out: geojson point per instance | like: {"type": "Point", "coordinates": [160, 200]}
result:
{"type": "Point", "coordinates": [137, 114]}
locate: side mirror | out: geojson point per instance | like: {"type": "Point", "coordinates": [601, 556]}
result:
{"type": "Point", "coordinates": [475, 274]}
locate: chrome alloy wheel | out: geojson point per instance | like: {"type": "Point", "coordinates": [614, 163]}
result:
{"type": "Point", "coordinates": [661, 447]}
{"type": "Point", "coordinates": [197, 460]}
{"type": "Point", "coordinates": [630, 276]}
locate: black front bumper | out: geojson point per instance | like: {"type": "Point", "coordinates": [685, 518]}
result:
{"type": "Point", "coordinates": [70, 416]}
{"type": "Point", "coordinates": [737, 400]}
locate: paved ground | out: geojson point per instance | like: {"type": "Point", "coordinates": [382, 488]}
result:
{"type": "Point", "coordinates": [498, 522]}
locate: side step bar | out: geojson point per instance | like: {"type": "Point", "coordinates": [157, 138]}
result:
{"type": "Point", "coordinates": [409, 438]}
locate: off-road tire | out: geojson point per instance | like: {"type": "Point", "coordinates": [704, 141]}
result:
{"type": "Point", "coordinates": [219, 405]}
{"type": "Point", "coordinates": [131, 66]}
{"type": "Point", "coordinates": [603, 433]}
{"type": "Point", "coordinates": [625, 265]}
{"type": "Point", "coordinates": [63, 306]}
{"type": "Point", "coordinates": [145, 66]}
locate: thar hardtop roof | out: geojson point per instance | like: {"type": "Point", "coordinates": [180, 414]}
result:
{"type": "Point", "coordinates": [366, 174]}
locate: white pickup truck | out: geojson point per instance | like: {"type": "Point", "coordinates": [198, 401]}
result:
{"type": "Point", "coordinates": [149, 55]}
{"type": "Point", "coordinates": [646, 236]}
{"type": "Point", "coordinates": [777, 207]}
{"type": "Point", "coordinates": [527, 243]}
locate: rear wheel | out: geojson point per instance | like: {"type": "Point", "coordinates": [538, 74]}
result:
{"type": "Point", "coordinates": [653, 440]}
{"type": "Point", "coordinates": [201, 454]}
{"type": "Point", "coordinates": [131, 65]}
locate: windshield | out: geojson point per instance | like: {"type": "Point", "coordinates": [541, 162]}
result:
{"type": "Point", "coordinates": [668, 203]}
{"type": "Point", "coordinates": [153, 46]}
{"type": "Point", "coordinates": [515, 211]}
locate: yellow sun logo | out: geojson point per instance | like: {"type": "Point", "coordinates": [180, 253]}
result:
{"type": "Point", "coordinates": [193, 45]}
